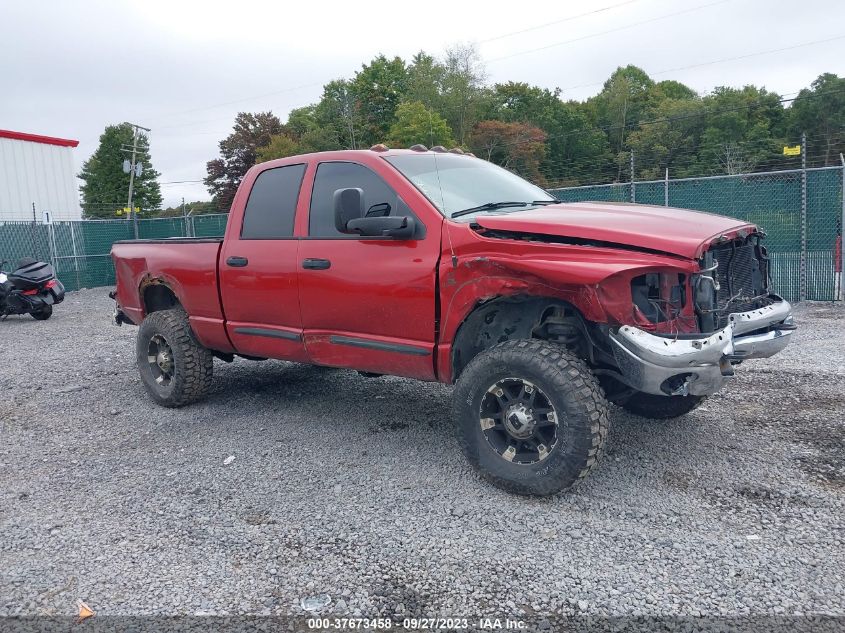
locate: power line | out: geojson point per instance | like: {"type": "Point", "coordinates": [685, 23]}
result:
{"type": "Point", "coordinates": [561, 21]}
{"type": "Point", "coordinates": [234, 101]}
{"type": "Point", "coordinates": [160, 116]}
{"type": "Point", "coordinates": [720, 61]}
{"type": "Point", "coordinates": [616, 30]}
{"type": "Point", "coordinates": [313, 85]}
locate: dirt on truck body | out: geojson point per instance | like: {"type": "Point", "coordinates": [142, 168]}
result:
{"type": "Point", "coordinates": [440, 266]}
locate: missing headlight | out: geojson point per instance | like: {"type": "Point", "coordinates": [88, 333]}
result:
{"type": "Point", "coordinates": [660, 297]}
{"type": "Point", "coordinates": [705, 288]}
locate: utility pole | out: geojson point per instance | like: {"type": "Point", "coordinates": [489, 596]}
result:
{"type": "Point", "coordinates": [633, 184]}
{"type": "Point", "coordinates": [837, 256]}
{"type": "Point", "coordinates": [185, 219]}
{"type": "Point", "coordinates": [135, 135]}
{"type": "Point", "coordinates": [802, 271]}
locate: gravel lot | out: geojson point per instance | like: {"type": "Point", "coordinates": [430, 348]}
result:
{"type": "Point", "coordinates": [356, 488]}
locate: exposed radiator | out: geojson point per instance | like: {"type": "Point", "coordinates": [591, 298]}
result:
{"type": "Point", "coordinates": [741, 279]}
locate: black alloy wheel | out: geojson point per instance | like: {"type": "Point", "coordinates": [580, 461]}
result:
{"type": "Point", "coordinates": [160, 359]}
{"type": "Point", "coordinates": [519, 421]}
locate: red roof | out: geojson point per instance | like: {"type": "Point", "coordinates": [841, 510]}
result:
{"type": "Point", "coordinates": [37, 138]}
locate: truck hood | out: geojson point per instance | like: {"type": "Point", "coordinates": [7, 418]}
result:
{"type": "Point", "coordinates": [668, 230]}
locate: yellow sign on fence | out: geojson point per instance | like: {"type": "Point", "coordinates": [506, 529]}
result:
{"type": "Point", "coordinates": [791, 150]}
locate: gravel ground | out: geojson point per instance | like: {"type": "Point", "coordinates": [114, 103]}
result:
{"type": "Point", "coordinates": [355, 487]}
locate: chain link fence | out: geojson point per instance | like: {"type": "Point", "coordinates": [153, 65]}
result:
{"type": "Point", "coordinates": [800, 210]}
{"type": "Point", "coordinates": [80, 250]}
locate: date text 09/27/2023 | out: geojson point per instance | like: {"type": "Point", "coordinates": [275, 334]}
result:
{"type": "Point", "coordinates": [419, 624]}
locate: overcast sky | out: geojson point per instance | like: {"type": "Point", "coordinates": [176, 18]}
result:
{"type": "Point", "coordinates": [185, 67]}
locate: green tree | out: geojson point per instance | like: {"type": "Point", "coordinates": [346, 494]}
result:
{"type": "Point", "coordinates": [623, 103]}
{"type": "Point", "coordinates": [280, 146]}
{"type": "Point", "coordinates": [574, 145]}
{"type": "Point", "coordinates": [576, 150]}
{"type": "Point", "coordinates": [425, 80]}
{"type": "Point", "coordinates": [194, 208]}
{"type": "Point", "coordinates": [106, 186]}
{"type": "Point", "coordinates": [301, 121]}
{"type": "Point", "coordinates": [515, 146]}
{"type": "Point", "coordinates": [670, 141]}
{"type": "Point", "coordinates": [378, 88]}
{"type": "Point", "coordinates": [417, 124]}
{"type": "Point", "coordinates": [743, 128]}
{"type": "Point", "coordinates": [238, 152]}
{"type": "Point", "coordinates": [336, 122]}
{"type": "Point", "coordinates": [671, 89]}
{"type": "Point", "coordinates": [819, 111]}
{"type": "Point", "coordinates": [463, 94]}
{"type": "Point", "coordinates": [517, 101]}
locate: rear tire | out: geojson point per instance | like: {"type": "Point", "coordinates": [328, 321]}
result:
{"type": "Point", "coordinates": [534, 386]}
{"type": "Point", "coordinates": [43, 314]}
{"type": "Point", "coordinates": [175, 369]}
{"type": "Point", "coordinates": [660, 407]}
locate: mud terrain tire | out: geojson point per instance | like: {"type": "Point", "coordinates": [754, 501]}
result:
{"type": "Point", "coordinates": [175, 369]}
{"type": "Point", "coordinates": [563, 386]}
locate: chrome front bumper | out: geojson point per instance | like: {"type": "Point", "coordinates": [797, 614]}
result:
{"type": "Point", "coordinates": [701, 365]}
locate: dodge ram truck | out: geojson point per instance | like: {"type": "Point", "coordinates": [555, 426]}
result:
{"type": "Point", "coordinates": [440, 266]}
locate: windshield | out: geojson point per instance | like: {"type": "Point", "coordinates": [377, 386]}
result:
{"type": "Point", "coordinates": [455, 183]}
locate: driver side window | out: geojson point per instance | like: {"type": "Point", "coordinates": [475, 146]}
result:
{"type": "Point", "coordinates": [379, 198]}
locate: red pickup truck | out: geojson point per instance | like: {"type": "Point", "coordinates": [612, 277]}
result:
{"type": "Point", "coordinates": [437, 265]}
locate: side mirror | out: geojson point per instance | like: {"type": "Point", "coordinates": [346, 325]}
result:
{"type": "Point", "coordinates": [397, 227]}
{"type": "Point", "coordinates": [348, 205]}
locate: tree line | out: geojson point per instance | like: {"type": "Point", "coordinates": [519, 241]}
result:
{"type": "Point", "coordinates": [536, 133]}
{"type": "Point", "coordinates": [528, 129]}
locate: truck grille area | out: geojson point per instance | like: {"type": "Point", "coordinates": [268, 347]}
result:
{"type": "Point", "coordinates": [742, 277]}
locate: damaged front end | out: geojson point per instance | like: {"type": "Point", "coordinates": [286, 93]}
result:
{"type": "Point", "coordinates": [690, 329]}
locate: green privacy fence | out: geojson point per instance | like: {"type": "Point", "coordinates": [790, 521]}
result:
{"type": "Point", "coordinates": [79, 250]}
{"type": "Point", "coordinates": [801, 212]}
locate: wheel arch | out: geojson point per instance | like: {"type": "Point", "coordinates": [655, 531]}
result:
{"type": "Point", "coordinates": [511, 317]}
{"type": "Point", "coordinates": [156, 295]}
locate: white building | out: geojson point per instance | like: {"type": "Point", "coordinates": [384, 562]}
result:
{"type": "Point", "coordinates": [37, 169]}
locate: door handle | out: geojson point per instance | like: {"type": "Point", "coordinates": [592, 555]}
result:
{"type": "Point", "coordinates": [237, 262]}
{"type": "Point", "coordinates": [316, 264]}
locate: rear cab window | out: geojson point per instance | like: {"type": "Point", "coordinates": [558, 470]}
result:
{"type": "Point", "coordinates": [271, 207]}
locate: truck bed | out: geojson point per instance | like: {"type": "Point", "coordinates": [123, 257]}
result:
{"type": "Point", "coordinates": [188, 266]}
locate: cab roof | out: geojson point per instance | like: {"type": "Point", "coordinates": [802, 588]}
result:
{"type": "Point", "coordinates": [369, 153]}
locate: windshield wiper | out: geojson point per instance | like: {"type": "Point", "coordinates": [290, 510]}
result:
{"type": "Point", "coordinates": [489, 206]}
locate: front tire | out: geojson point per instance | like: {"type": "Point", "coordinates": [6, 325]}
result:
{"type": "Point", "coordinates": [656, 407]}
{"type": "Point", "coordinates": [532, 416]}
{"type": "Point", "coordinates": [175, 369]}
